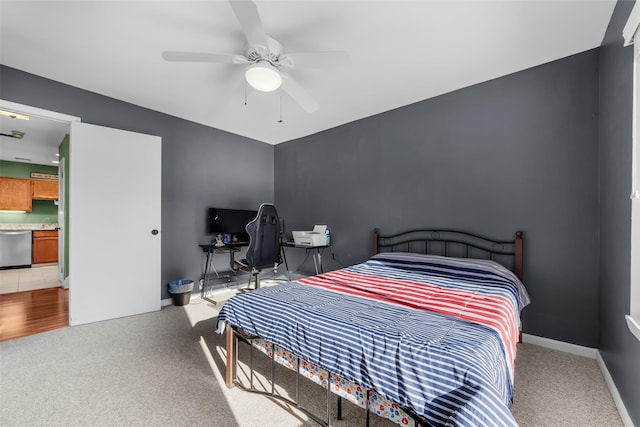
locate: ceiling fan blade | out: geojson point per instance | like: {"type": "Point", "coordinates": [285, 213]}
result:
{"type": "Point", "coordinates": [222, 58]}
{"type": "Point", "coordinates": [247, 13]}
{"type": "Point", "coordinates": [292, 88]}
{"type": "Point", "coordinates": [316, 60]}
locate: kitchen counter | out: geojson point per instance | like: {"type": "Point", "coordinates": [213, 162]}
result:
{"type": "Point", "coordinates": [28, 226]}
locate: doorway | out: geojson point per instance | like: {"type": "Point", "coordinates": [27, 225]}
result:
{"type": "Point", "coordinates": [29, 146]}
{"type": "Point", "coordinates": [33, 299]}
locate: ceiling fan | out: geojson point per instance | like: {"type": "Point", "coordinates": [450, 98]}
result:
{"type": "Point", "coordinates": [264, 59]}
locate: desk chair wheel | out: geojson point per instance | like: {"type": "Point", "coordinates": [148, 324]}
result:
{"type": "Point", "coordinates": [253, 273]}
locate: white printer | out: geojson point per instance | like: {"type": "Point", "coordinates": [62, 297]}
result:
{"type": "Point", "coordinates": [316, 237]}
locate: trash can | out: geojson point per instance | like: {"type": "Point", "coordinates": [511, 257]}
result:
{"type": "Point", "coordinates": [180, 291]}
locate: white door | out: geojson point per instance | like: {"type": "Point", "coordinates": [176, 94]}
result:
{"type": "Point", "coordinates": [114, 223]}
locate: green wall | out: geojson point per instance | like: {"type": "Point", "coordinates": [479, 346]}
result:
{"type": "Point", "coordinates": [43, 211]}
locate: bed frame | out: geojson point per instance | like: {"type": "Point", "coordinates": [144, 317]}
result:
{"type": "Point", "coordinates": [449, 243]}
{"type": "Point", "coordinates": [453, 243]}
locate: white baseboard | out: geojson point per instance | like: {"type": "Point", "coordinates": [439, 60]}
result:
{"type": "Point", "coordinates": [622, 410]}
{"type": "Point", "coordinates": [560, 346]}
{"type": "Point", "coordinates": [591, 353]}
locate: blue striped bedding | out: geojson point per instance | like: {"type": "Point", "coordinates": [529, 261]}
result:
{"type": "Point", "coordinates": [445, 368]}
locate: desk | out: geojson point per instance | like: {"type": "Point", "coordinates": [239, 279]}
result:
{"type": "Point", "coordinates": [316, 253]}
{"type": "Point", "coordinates": [210, 249]}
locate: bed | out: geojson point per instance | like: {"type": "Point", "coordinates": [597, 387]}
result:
{"type": "Point", "coordinates": [423, 332]}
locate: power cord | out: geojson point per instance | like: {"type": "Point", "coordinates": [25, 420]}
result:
{"type": "Point", "coordinates": [302, 263]}
{"type": "Point", "coordinates": [333, 256]}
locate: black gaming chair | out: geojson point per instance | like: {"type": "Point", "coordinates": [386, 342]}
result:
{"type": "Point", "coordinates": [264, 245]}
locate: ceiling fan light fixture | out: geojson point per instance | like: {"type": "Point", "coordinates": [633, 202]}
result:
{"type": "Point", "coordinates": [263, 76]}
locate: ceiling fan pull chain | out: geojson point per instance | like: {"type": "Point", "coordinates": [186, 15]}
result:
{"type": "Point", "coordinates": [280, 121]}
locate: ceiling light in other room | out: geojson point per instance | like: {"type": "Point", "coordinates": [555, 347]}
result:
{"type": "Point", "coordinates": [263, 76]}
{"type": "Point", "coordinates": [14, 115]}
{"type": "Point", "coordinates": [14, 134]}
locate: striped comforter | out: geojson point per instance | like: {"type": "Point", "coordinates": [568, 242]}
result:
{"type": "Point", "coordinates": [435, 335]}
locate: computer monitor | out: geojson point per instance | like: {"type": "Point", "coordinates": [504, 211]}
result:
{"type": "Point", "coordinates": [230, 221]}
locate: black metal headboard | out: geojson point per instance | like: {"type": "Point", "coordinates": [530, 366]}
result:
{"type": "Point", "coordinates": [453, 243]}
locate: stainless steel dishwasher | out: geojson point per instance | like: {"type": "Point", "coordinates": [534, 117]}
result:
{"type": "Point", "coordinates": [15, 248]}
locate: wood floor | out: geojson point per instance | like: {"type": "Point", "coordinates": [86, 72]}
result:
{"type": "Point", "coordinates": [31, 312]}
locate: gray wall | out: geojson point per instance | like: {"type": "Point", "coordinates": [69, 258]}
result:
{"type": "Point", "coordinates": [619, 349]}
{"type": "Point", "coordinates": [516, 153]}
{"type": "Point", "coordinates": [199, 164]}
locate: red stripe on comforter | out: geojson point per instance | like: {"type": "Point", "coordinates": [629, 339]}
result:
{"type": "Point", "coordinates": [493, 311]}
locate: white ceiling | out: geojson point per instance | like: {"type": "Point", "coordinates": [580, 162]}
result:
{"type": "Point", "coordinates": [39, 144]}
{"type": "Point", "coordinates": [401, 52]}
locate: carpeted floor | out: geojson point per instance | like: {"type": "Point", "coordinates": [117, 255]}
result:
{"type": "Point", "coordinates": [562, 389]}
{"type": "Point", "coordinates": [166, 369]}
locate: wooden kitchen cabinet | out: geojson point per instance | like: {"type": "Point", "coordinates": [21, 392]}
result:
{"type": "Point", "coordinates": [15, 194]}
{"type": "Point", "coordinates": [45, 246]}
{"type": "Point", "coordinates": [44, 190]}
